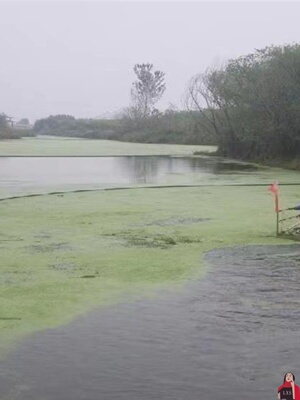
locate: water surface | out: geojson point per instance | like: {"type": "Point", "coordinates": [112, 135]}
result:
{"type": "Point", "coordinates": [24, 175]}
{"type": "Point", "coordinates": [230, 335]}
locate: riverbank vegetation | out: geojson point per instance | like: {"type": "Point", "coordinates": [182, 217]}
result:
{"type": "Point", "coordinates": [253, 104]}
{"type": "Point", "coordinates": [8, 132]}
{"type": "Point", "coordinates": [170, 126]}
{"type": "Point", "coordinates": [249, 108]}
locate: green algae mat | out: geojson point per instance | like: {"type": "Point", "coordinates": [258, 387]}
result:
{"type": "Point", "coordinates": [65, 254]}
{"type": "Point", "coordinates": [82, 147]}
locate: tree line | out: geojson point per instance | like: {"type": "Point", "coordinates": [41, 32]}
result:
{"type": "Point", "coordinates": [249, 107]}
{"type": "Point", "coordinates": [253, 104]}
{"type": "Point", "coordinates": [141, 121]}
{"type": "Point", "coordinates": [9, 131]}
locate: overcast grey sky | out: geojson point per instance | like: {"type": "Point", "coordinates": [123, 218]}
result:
{"type": "Point", "coordinates": [72, 57]}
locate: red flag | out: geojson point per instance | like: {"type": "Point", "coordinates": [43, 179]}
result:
{"type": "Point", "coordinates": [275, 190]}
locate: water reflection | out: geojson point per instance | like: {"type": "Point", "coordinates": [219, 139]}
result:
{"type": "Point", "coordinates": [42, 174]}
{"type": "Point", "coordinates": [141, 169]}
{"type": "Point", "coordinates": [154, 169]}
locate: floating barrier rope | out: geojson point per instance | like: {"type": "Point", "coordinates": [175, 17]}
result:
{"type": "Point", "coordinates": [143, 187]}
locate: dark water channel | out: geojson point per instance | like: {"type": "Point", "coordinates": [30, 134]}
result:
{"type": "Point", "coordinates": [231, 335]}
{"type": "Point", "coordinates": [43, 174]}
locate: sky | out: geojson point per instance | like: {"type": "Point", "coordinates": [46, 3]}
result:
{"type": "Point", "coordinates": [77, 57]}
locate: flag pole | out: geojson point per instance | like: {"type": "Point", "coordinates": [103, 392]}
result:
{"type": "Point", "coordinates": [275, 190]}
{"type": "Point", "coordinates": [277, 213]}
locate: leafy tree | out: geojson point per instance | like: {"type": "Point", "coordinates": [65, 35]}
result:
{"type": "Point", "coordinates": [147, 89]}
{"type": "Point", "coordinates": [50, 124]}
{"type": "Point", "coordinates": [253, 103]}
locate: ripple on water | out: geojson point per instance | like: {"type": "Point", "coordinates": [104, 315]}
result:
{"type": "Point", "coordinates": [230, 335]}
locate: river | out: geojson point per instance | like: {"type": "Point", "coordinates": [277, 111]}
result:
{"type": "Point", "coordinates": [25, 175]}
{"type": "Point", "coordinates": [232, 334]}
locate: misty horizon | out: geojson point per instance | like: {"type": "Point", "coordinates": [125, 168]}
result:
{"type": "Point", "coordinates": [77, 58]}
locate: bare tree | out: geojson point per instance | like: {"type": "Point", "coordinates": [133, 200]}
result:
{"type": "Point", "coordinates": [200, 97]}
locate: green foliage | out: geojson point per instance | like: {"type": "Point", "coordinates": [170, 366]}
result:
{"type": "Point", "coordinates": [253, 103]}
{"type": "Point", "coordinates": [52, 124]}
{"type": "Point", "coordinates": [250, 108]}
{"type": "Point", "coordinates": [180, 127]}
{"type": "Point", "coordinates": [11, 132]}
{"type": "Point", "coordinates": [66, 125]}
{"type": "Point", "coordinates": [169, 127]}
{"type": "Point", "coordinates": [7, 132]}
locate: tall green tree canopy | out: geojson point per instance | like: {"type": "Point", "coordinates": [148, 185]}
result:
{"type": "Point", "coordinates": [253, 103]}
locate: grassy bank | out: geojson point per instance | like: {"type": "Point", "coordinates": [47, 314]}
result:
{"type": "Point", "coordinates": [85, 147]}
{"type": "Point", "coordinates": [63, 255]}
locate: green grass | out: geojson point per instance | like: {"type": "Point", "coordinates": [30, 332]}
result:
{"type": "Point", "coordinates": [82, 147]}
{"type": "Point", "coordinates": [62, 256]}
